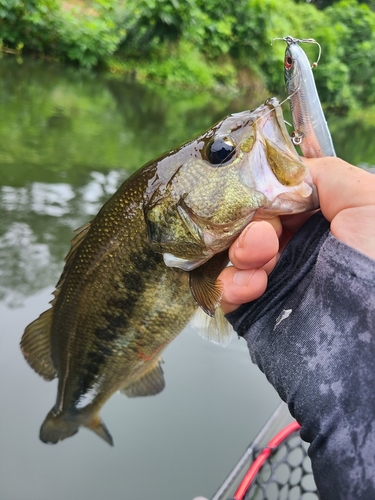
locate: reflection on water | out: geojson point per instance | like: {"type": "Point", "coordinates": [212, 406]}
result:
{"type": "Point", "coordinates": [69, 138]}
{"type": "Point", "coordinates": [37, 224]}
{"type": "Point", "coordinates": [23, 262]}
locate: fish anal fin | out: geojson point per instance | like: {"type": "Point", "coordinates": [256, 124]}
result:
{"type": "Point", "coordinates": [151, 383]}
{"type": "Point", "coordinates": [204, 287]}
{"type": "Point", "coordinates": [36, 345]}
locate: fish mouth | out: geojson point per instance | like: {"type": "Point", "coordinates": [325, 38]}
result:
{"type": "Point", "coordinates": [286, 181]}
{"type": "Point", "coordinates": [272, 123]}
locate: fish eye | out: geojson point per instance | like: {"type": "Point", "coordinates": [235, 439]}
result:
{"type": "Point", "coordinates": [220, 150]}
{"type": "Point", "coordinates": [288, 62]}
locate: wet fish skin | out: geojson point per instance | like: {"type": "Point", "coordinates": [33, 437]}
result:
{"type": "Point", "coordinates": [125, 292]}
{"type": "Point", "coordinates": [112, 289]}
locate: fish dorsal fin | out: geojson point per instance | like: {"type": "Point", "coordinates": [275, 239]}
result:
{"type": "Point", "coordinates": [216, 329]}
{"type": "Point", "coordinates": [151, 383]}
{"type": "Point", "coordinates": [36, 345]}
{"type": "Point", "coordinates": [80, 235]}
{"type": "Point", "coordinates": [207, 292]}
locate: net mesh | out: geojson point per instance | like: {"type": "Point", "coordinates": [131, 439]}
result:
{"type": "Point", "coordinates": [286, 475]}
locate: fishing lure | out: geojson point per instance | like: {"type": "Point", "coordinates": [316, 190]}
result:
{"type": "Point", "coordinates": [311, 131]}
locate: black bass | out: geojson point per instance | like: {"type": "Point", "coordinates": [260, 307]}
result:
{"type": "Point", "coordinates": [136, 274]}
{"type": "Point", "coordinates": [311, 131]}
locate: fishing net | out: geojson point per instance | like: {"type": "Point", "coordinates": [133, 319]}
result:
{"type": "Point", "coordinates": [286, 474]}
{"type": "Point", "coordinates": [274, 467]}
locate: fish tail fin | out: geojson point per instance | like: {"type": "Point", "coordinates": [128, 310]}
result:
{"type": "Point", "coordinates": [55, 428]}
{"type": "Point", "coordinates": [98, 426]}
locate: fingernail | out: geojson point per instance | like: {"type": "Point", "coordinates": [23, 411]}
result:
{"type": "Point", "coordinates": [242, 278]}
{"type": "Point", "coordinates": [241, 239]}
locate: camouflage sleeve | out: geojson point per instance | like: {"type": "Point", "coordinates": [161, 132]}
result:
{"type": "Point", "coordinates": [313, 335]}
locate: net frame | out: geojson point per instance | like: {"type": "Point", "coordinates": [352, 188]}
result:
{"type": "Point", "coordinates": [274, 467]}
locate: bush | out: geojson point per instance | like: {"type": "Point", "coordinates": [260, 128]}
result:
{"type": "Point", "coordinates": [203, 43]}
{"type": "Point", "coordinates": [356, 46]}
{"type": "Point", "coordinates": [30, 24]}
{"type": "Point", "coordinates": [42, 26]}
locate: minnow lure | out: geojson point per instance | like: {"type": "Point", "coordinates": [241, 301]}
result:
{"type": "Point", "coordinates": [311, 131]}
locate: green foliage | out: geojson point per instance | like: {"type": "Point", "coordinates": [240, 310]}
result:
{"type": "Point", "coordinates": [88, 40]}
{"type": "Point", "coordinates": [203, 43]}
{"type": "Point", "coordinates": [356, 47]}
{"type": "Point", "coordinates": [30, 21]}
{"type": "Point", "coordinates": [42, 26]}
{"type": "Point", "coordinates": [150, 23]}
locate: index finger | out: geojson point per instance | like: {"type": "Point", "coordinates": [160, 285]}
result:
{"type": "Point", "coordinates": [340, 185]}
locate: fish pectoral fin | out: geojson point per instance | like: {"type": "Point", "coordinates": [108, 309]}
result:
{"type": "Point", "coordinates": [36, 345]}
{"type": "Point", "coordinates": [204, 287]}
{"type": "Point", "coordinates": [216, 329]}
{"type": "Point", "coordinates": [151, 383]}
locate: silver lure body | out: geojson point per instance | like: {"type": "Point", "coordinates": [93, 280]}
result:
{"type": "Point", "coordinates": [311, 131]}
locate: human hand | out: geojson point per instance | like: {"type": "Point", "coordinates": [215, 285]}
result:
{"type": "Point", "coordinates": [347, 201]}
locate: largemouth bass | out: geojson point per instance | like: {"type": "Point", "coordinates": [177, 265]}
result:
{"type": "Point", "coordinates": [136, 274]}
{"type": "Point", "coordinates": [311, 131]}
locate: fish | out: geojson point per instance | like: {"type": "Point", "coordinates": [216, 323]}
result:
{"type": "Point", "coordinates": [138, 272]}
{"type": "Point", "coordinates": [311, 130]}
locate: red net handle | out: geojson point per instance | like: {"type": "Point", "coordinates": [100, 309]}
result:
{"type": "Point", "coordinates": [261, 458]}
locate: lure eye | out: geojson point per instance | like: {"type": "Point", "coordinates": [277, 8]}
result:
{"type": "Point", "coordinates": [220, 150]}
{"type": "Point", "coordinates": [288, 62]}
